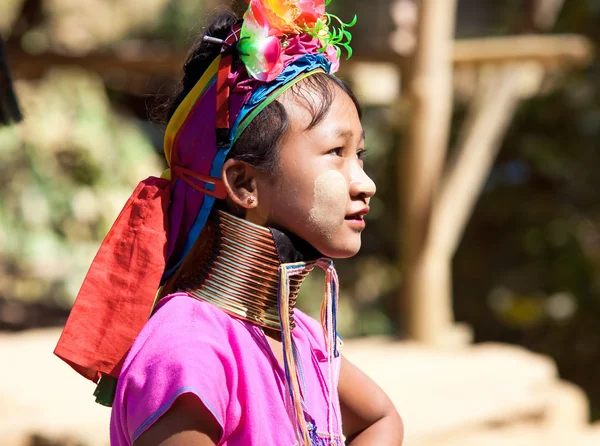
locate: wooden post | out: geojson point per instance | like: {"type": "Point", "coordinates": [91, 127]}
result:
{"type": "Point", "coordinates": [435, 214]}
{"type": "Point", "coordinates": [430, 93]}
{"type": "Point", "coordinates": [490, 113]}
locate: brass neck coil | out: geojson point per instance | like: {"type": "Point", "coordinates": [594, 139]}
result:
{"type": "Point", "coordinates": [239, 272]}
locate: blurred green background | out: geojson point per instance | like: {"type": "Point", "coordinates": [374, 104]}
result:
{"type": "Point", "coordinates": [87, 74]}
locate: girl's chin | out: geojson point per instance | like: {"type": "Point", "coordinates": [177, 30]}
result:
{"type": "Point", "coordinates": [342, 249]}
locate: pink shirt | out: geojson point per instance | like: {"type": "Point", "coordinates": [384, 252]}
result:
{"type": "Point", "coordinates": [189, 346]}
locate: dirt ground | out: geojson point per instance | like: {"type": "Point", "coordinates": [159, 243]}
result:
{"type": "Point", "coordinates": [39, 394]}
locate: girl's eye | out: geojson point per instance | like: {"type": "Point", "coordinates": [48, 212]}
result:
{"type": "Point", "coordinates": [361, 154]}
{"type": "Point", "coordinates": [337, 151]}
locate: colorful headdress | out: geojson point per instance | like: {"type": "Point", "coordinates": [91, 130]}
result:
{"type": "Point", "coordinates": [267, 24]}
{"type": "Point", "coordinates": [279, 42]}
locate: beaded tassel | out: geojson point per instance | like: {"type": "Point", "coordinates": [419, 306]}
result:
{"type": "Point", "coordinates": [291, 374]}
{"type": "Point", "coordinates": [328, 321]}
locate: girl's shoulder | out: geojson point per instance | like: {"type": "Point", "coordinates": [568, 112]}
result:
{"type": "Point", "coordinates": [180, 308]}
{"type": "Point", "coordinates": [179, 312]}
{"type": "Point", "coordinates": [315, 333]}
{"type": "Point", "coordinates": [312, 329]}
{"type": "Point", "coordinates": [181, 325]}
{"type": "Point", "coordinates": [308, 323]}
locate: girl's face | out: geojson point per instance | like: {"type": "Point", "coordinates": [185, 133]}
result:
{"type": "Point", "coordinates": [320, 191]}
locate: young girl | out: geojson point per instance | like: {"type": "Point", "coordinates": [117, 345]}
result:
{"type": "Point", "coordinates": [266, 182]}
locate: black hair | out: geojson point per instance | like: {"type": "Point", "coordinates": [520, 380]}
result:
{"type": "Point", "coordinates": [9, 106]}
{"type": "Point", "coordinates": [258, 143]}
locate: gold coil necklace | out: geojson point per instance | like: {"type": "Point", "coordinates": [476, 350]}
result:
{"type": "Point", "coordinates": [238, 271]}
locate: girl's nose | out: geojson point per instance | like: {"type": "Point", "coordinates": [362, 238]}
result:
{"type": "Point", "coordinates": [361, 185]}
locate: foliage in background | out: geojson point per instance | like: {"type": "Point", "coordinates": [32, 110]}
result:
{"type": "Point", "coordinates": [65, 172]}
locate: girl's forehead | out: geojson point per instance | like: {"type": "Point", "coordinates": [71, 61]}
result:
{"type": "Point", "coordinates": [340, 119]}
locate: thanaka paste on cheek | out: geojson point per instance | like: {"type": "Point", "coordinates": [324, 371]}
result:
{"type": "Point", "coordinates": [329, 206]}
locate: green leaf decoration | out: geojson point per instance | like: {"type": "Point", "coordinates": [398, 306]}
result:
{"type": "Point", "coordinates": [333, 32]}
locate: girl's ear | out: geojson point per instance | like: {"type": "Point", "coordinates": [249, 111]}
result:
{"type": "Point", "coordinates": [240, 182]}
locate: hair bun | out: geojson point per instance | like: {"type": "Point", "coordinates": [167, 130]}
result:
{"type": "Point", "coordinates": [199, 58]}
{"type": "Point", "coordinates": [204, 52]}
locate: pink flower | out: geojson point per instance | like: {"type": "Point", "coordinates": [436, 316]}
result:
{"type": "Point", "coordinates": [260, 48]}
{"type": "Point", "coordinates": [310, 12]}
{"type": "Point", "coordinates": [268, 22]}
{"type": "Point", "coordinates": [331, 53]}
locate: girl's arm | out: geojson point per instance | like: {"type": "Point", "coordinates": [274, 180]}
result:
{"type": "Point", "coordinates": [369, 416]}
{"type": "Point", "coordinates": [187, 422]}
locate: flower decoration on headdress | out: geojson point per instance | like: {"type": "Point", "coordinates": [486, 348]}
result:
{"type": "Point", "coordinates": [269, 24]}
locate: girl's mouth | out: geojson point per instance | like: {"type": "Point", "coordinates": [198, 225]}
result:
{"type": "Point", "coordinates": [357, 219]}
{"type": "Point", "coordinates": [358, 215]}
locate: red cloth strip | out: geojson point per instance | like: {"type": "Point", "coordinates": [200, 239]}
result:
{"type": "Point", "coordinates": [117, 295]}
{"type": "Point", "coordinates": [218, 191]}
{"type": "Point", "coordinates": [223, 90]}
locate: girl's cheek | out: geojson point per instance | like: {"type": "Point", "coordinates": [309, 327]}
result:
{"type": "Point", "coordinates": [328, 211]}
